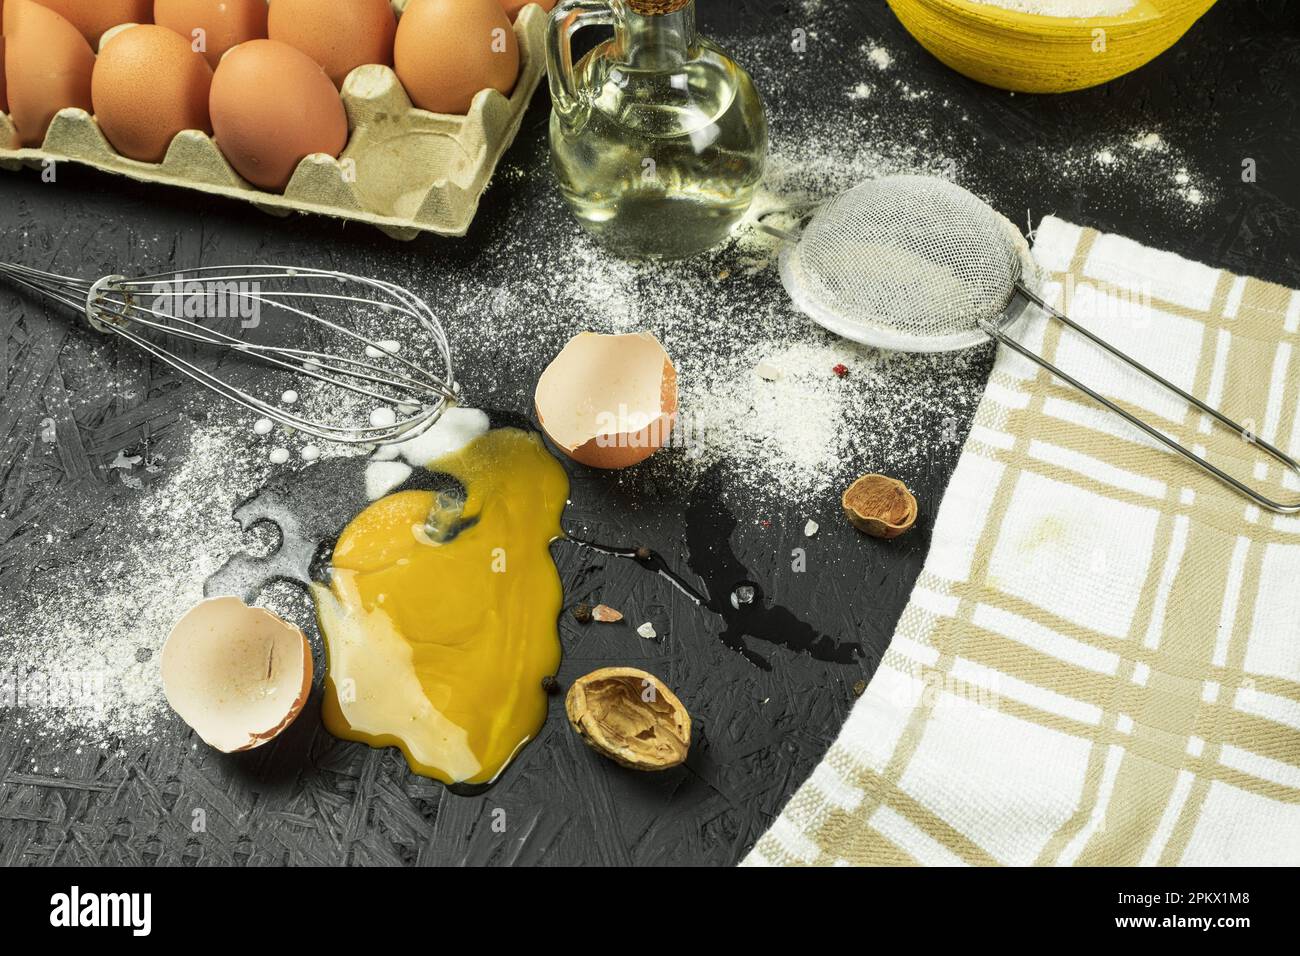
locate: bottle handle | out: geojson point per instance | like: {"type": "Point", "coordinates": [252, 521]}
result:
{"type": "Point", "coordinates": [567, 19]}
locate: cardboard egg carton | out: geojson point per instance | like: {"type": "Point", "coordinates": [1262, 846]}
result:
{"type": "Point", "coordinates": [404, 170]}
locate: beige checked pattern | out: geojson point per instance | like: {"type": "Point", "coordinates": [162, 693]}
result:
{"type": "Point", "coordinates": [1100, 663]}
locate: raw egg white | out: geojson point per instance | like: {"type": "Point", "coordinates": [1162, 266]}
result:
{"type": "Point", "coordinates": [148, 85]}
{"type": "Point", "coordinates": [272, 106]}
{"type": "Point", "coordinates": [237, 675]}
{"type": "Point", "coordinates": [608, 401]}
{"type": "Point", "coordinates": [48, 65]}
{"type": "Point", "coordinates": [225, 23]}
{"type": "Point", "coordinates": [93, 17]}
{"type": "Point", "coordinates": [449, 50]}
{"type": "Point", "coordinates": [340, 35]}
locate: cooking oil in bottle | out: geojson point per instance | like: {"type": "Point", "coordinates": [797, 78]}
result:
{"type": "Point", "coordinates": [658, 138]}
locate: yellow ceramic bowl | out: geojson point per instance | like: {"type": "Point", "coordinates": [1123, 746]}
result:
{"type": "Point", "coordinates": [1040, 54]}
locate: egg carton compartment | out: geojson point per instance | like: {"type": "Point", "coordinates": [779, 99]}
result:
{"type": "Point", "coordinates": [404, 170]}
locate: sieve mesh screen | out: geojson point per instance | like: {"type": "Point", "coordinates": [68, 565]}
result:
{"type": "Point", "coordinates": [908, 257]}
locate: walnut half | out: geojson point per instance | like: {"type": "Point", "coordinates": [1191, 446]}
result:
{"type": "Point", "coordinates": [631, 717]}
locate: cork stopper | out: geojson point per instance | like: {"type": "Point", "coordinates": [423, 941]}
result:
{"type": "Point", "coordinates": [655, 8]}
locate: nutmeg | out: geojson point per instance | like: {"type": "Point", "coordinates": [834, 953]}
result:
{"type": "Point", "coordinates": [879, 506]}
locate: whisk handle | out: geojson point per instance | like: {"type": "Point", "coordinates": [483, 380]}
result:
{"type": "Point", "coordinates": [67, 290]}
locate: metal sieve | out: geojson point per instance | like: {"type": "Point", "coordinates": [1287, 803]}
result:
{"type": "Point", "coordinates": [918, 264]}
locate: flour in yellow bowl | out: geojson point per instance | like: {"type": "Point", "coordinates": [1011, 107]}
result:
{"type": "Point", "coordinates": [1047, 46]}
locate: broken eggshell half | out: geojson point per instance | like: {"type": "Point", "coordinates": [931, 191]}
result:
{"type": "Point", "coordinates": [237, 675]}
{"type": "Point", "coordinates": [609, 401]}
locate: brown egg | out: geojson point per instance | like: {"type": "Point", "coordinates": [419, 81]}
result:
{"type": "Point", "coordinates": [225, 23]}
{"type": "Point", "coordinates": [48, 64]}
{"type": "Point", "coordinates": [272, 106]}
{"type": "Point", "coordinates": [147, 87]}
{"type": "Point", "coordinates": [4, 96]}
{"type": "Point", "coordinates": [340, 35]}
{"type": "Point", "coordinates": [449, 50]}
{"type": "Point", "coordinates": [512, 7]}
{"type": "Point", "coordinates": [93, 17]}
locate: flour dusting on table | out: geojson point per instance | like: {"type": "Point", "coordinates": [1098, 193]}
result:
{"type": "Point", "coordinates": [80, 645]}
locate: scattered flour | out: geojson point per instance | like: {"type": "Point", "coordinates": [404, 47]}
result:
{"type": "Point", "coordinates": [80, 644]}
{"type": "Point", "coordinates": [880, 57]}
{"type": "Point", "coordinates": [1149, 142]}
{"type": "Point", "coordinates": [1145, 154]}
{"type": "Point", "coordinates": [804, 434]}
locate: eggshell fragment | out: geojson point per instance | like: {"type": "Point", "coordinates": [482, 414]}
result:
{"type": "Point", "coordinates": [448, 50]}
{"type": "Point", "coordinates": [609, 401]}
{"type": "Point", "coordinates": [48, 65]}
{"type": "Point", "coordinates": [214, 25]}
{"type": "Point", "coordinates": [149, 85]}
{"type": "Point", "coordinates": [237, 675]}
{"type": "Point", "coordinates": [93, 17]}
{"type": "Point", "coordinates": [512, 7]}
{"type": "Point", "coordinates": [271, 107]}
{"type": "Point", "coordinates": [340, 35]}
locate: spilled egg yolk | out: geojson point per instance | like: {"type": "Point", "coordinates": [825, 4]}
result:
{"type": "Point", "coordinates": [440, 619]}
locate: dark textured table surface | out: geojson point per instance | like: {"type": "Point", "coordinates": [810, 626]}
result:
{"type": "Point", "coordinates": [1228, 92]}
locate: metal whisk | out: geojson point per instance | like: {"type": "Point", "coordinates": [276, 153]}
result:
{"type": "Point", "coordinates": [272, 315]}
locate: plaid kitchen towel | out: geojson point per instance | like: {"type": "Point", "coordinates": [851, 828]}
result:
{"type": "Point", "coordinates": [1100, 663]}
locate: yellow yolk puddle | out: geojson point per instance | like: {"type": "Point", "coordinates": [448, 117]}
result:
{"type": "Point", "coordinates": [440, 648]}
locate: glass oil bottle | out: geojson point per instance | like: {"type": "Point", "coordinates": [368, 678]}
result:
{"type": "Point", "coordinates": [658, 137]}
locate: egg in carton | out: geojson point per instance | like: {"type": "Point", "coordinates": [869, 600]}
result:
{"type": "Point", "coordinates": [404, 170]}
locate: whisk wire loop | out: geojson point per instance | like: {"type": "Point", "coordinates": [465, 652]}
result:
{"type": "Point", "coordinates": [156, 312]}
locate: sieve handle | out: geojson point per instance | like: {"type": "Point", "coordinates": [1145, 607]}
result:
{"type": "Point", "coordinates": [803, 210]}
{"type": "Point", "coordinates": [997, 332]}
